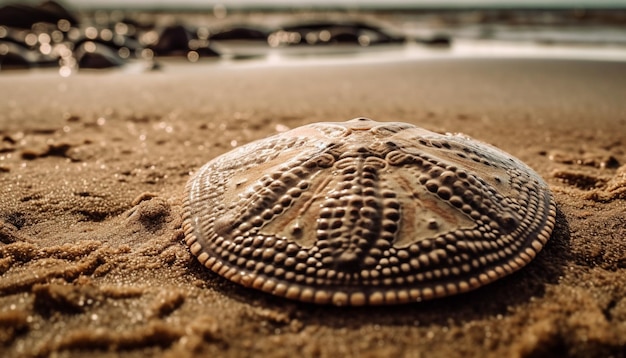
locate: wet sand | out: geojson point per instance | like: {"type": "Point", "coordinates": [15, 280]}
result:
{"type": "Point", "coordinates": [92, 168]}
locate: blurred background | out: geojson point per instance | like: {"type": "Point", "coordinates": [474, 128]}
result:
{"type": "Point", "coordinates": [141, 35]}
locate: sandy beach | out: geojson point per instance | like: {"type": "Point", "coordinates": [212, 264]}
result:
{"type": "Point", "coordinates": [93, 167]}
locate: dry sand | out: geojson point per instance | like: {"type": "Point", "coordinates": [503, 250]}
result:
{"type": "Point", "coordinates": [92, 167]}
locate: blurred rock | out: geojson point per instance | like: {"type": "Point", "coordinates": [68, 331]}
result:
{"type": "Point", "coordinates": [178, 40]}
{"type": "Point", "coordinates": [97, 56]}
{"type": "Point", "coordinates": [173, 41]}
{"type": "Point", "coordinates": [339, 32]}
{"type": "Point", "coordinates": [14, 56]}
{"type": "Point", "coordinates": [439, 40]}
{"type": "Point", "coordinates": [241, 33]}
{"type": "Point", "coordinates": [24, 16]}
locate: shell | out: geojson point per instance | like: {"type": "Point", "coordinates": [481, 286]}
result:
{"type": "Point", "coordinates": [366, 213]}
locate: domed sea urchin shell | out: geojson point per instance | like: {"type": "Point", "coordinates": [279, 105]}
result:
{"type": "Point", "coordinates": [365, 212]}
